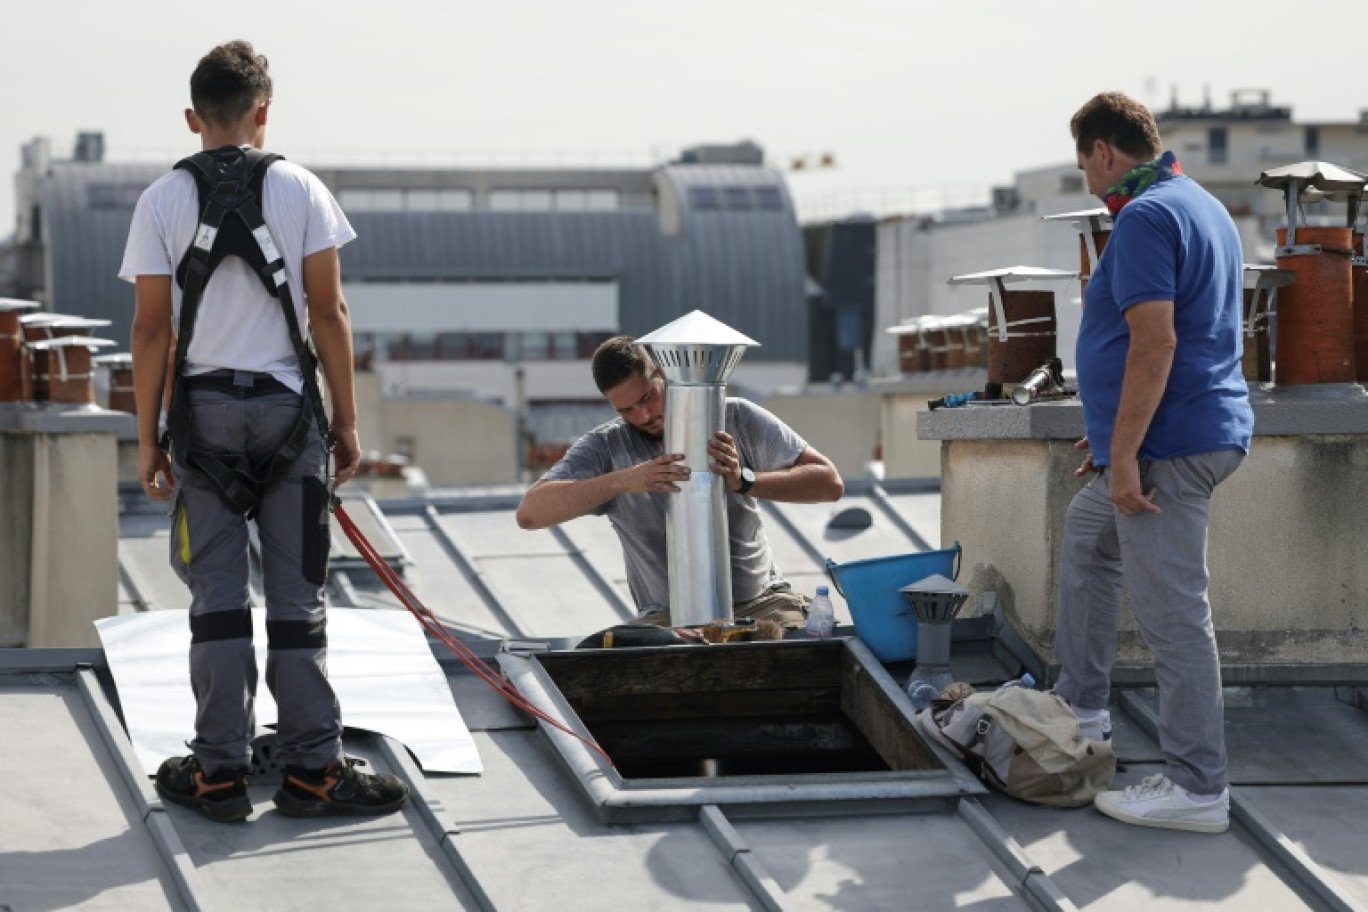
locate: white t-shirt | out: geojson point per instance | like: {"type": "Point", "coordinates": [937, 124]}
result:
{"type": "Point", "coordinates": [239, 325]}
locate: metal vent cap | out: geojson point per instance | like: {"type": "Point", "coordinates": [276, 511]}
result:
{"type": "Point", "coordinates": [696, 349]}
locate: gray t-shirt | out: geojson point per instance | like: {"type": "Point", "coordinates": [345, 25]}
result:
{"type": "Point", "coordinates": [766, 444]}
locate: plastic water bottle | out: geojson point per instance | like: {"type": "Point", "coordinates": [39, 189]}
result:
{"type": "Point", "coordinates": [821, 616]}
{"type": "Point", "coordinates": [1027, 681]}
{"type": "Point", "coordinates": [921, 693]}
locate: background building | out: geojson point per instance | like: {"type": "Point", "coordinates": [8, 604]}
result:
{"type": "Point", "coordinates": [1224, 150]}
{"type": "Point", "coordinates": [494, 285]}
{"type": "Point", "coordinates": [841, 257]}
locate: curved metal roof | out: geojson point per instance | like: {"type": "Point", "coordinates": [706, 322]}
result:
{"type": "Point", "coordinates": [739, 257]}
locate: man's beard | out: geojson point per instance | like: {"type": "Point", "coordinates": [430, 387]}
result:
{"type": "Point", "coordinates": [653, 437]}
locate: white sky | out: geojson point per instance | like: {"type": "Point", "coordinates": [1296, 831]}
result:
{"type": "Point", "coordinates": [908, 95]}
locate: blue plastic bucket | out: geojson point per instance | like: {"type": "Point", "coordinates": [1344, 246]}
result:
{"type": "Point", "coordinates": [883, 619]}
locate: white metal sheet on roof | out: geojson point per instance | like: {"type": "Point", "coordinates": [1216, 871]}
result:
{"type": "Point", "coordinates": [379, 662]}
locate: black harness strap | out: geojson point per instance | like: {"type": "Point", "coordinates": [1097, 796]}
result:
{"type": "Point", "coordinates": [297, 634]}
{"type": "Point", "coordinates": [232, 624]}
{"type": "Point", "coordinates": [229, 181]}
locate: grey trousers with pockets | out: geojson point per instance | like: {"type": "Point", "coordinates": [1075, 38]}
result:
{"type": "Point", "coordinates": [1161, 558]}
{"type": "Point", "coordinates": [209, 550]}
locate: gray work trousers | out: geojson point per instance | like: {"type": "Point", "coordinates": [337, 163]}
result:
{"type": "Point", "coordinates": [1161, 557]}
{"type": "Point", "coordinates": [209, 551]}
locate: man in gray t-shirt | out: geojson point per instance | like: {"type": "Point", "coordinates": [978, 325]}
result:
{"type": "Point", "coordinates": [620, 470]}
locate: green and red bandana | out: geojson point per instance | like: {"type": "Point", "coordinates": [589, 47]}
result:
{"type": "Point", "coordinates": [1139, 179]}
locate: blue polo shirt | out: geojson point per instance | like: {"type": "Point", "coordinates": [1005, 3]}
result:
{"type": "Point", "coordinates": [1174, 242]}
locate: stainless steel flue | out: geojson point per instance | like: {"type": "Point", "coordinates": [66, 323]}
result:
{"type": "Point", "coordinates": [697, 354]}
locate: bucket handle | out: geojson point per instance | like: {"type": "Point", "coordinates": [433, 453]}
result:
{"type": "Point", "coordinates": [830, 569]}
{"type": "Point", "coordinates": [831, 566]}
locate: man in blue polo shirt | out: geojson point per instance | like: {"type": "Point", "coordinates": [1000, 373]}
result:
{"type": "Point", "coordinates": [1167, 416]}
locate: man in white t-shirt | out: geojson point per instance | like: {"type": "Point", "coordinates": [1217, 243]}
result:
{"type": "Point", "coordinates": [243, 383]}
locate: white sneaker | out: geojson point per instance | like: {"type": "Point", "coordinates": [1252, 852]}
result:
{"type": "Point", "coordinates": [1097, 728]}
{"type": "Point", "coordinates": [1157, 802]}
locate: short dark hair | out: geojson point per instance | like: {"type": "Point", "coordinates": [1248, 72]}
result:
{"type": "Point", "coordinates": [1120, 120]}
{"type": "Point", "coordinates": [616, 360]}
{"type": "Point", "coordinates": [229, 81]}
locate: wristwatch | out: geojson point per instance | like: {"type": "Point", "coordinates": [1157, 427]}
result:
{"type": "Point", "coordinates": [747, 480]}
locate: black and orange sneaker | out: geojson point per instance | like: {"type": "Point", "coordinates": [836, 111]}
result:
{"type": "Point", "coordinates": [222, 797]}
{"type": "Point", "coordinates": [338, 790]}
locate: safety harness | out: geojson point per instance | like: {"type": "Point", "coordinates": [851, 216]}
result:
{"type": "Point", "coordinates": [229, 181]}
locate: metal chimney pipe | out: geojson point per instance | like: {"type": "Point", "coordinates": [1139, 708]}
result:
{"type": "Point", "coordinates": [697, 354]}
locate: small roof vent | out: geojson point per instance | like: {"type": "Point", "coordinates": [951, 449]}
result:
{"type": "Point", "coordinates": [697, 350]}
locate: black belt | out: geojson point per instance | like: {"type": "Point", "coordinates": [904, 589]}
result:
{"type": "Point", "coordinates": [247, 384]}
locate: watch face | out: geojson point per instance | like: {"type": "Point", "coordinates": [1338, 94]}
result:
{"type": "Point", "coordinates": [747, 476]}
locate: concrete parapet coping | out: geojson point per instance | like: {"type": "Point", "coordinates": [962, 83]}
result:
{"type": "Point", "coordinates": [1008, 421]}
{"type": "Point", "coordinates": [1331, 408]}
{"type": "Point", "coordinates": [1326, 408]}
{"type": "Point", "coordinates": [65, 418]}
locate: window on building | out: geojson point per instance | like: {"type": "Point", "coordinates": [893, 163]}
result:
{"type": "Point", "coordinates": [442, 200]}
{"type": "Point", "coordinates": [113, 196]}
{"type": "Point", "coordinates": [414, 347]}
{"type": "Point", "coordinates": [487, 346]}
{"type": "Point", "coordinates": [563, 346]}
{"type": "Point", "coordinates": [705, 199]}
{"type": "Point", "coordinates": [738, 198]}
{"type": "Point", "coordinates": [533, 345]}
{"type": "Point", "coordinates": [587, 342]}
{"type": "Point", "coordinates": [1313, 142]}
{"type": "Point", "coordinates": [520, 200]}
{"type": "Point", "coordinates": [768, 199]}
{"type": "Point", "coordinates": [363, 199]}
{"type": "Point", "coordinates": [586, 200]}
{"type": "Point", "coordinates": [387, 200]}
{"type": "Point", "coordinates": [1071, 183]}
{"type": "Point", "coordinates": [1218, 152]}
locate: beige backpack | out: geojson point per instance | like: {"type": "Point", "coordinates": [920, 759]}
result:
{"type": "Point", "coordinates": [1025, 743]}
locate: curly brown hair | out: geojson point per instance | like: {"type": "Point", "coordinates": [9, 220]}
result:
{"type": "Point", "coordinates": [1120, 120]}
{"type": "Point", "coordinates": [228, 82]}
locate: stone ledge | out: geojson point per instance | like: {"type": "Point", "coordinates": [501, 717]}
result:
{"type": "Point", "coordinates": [1278, 412]}
{"type": "Point", "coordinates": [62, 418]}
{"type": "Point", "coordinates": [1008, 421]}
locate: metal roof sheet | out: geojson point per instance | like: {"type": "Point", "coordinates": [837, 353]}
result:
{"type": "Point", "coordinates": [83, 828]}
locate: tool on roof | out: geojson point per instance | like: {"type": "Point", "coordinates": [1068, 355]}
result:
{"type": "Point", "coordinates": [1046, 381]}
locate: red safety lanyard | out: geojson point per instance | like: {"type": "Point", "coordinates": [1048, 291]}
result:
{"type": "Point", "coordinates": [434, 627]}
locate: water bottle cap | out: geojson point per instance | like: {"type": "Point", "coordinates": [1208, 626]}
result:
{"type": "Point", "coordinates": [822, 590]}
{"type": "Point", "coordinates": [1028, 680]}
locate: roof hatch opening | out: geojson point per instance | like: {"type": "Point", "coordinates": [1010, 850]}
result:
{"type": "Point", "coordinates": [760, 724]}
